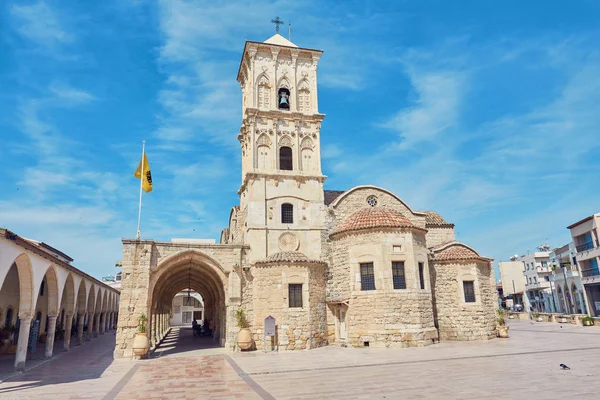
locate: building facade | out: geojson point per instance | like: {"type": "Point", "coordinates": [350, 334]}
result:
{"type": "Point", "coordinates": [536, 270]}
{"type": "Point", "coordinates": [587, 254]}
{"type": "Point", "coordinates": [45, 299]}
{"type": "Point", "coordinates": [513, 283]}
{"type": "Point", "coordinates": [187, 307]}
{"type": "Point", "coordinates": [565, 280]}
{"type": "Point", "coordinates": [357, 267]}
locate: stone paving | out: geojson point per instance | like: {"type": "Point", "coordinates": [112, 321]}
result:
{"type": "Point", "coordinates": [187, 367]}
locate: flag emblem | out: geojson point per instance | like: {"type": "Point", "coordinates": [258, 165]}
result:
{"type": "Point", "coordinates": [147, 179]}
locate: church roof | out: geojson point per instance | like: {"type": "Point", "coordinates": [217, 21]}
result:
{"type": "Point", "coordinates": [331, 195]}
{"type": "Point", "coordinates": [374, 217]}
{"type": "Point", "coordinates": [456, 251]}
{"type": "Point", "coordinates": [287, 256]}
{"type": "Point", "coordinates": [435, 220]}
{"type": "Point", "coordinates": [279, 40]}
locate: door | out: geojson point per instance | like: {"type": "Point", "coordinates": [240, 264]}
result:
{"type": "Point", "coordinates": [187, 317]}
{"type": "Point", "coordinates": [343, 324]}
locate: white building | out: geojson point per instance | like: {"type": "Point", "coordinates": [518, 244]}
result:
{"type": "Point", "coordinates": [587, 254]}
{"type": "Point", "coordinates": [537, 279]}
{"type": "Point", "coordinates": [513, 282]}
{"type": "Point", "coordinates": [565, 280]}
{"type": "Point", "coordinates": [186, 307]}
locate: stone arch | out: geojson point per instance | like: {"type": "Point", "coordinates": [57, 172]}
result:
{"type": "Point", "coordinates": [51, 288]}
{"type": "Point", "coordinates": [306, 154]}
{"type": "Point", "coordinates": [81, 303]}
{"type": "Point", "coordinates": [561, 298]}
{"type": "Point", "coordinates": [284, 94]}
{"type": "Point", "coordinates": [304, 100]}
{"type": "Point", "coordinates": [263, 151]}
{"type": "Point", "coordinates": [67, 301]}
{"type": "Point", "coordinates": [26, 291]}
{"type": "Point", "coordinates": [344, 195]}
{"type": "Point", "coordinates": [199, 272]}
{"type": "Point", "coordinates": [263, 91]}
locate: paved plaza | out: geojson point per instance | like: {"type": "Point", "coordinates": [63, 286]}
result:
{"type": "Point", "coordinates": [187, 367]}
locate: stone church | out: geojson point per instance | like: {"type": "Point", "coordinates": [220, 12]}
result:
{"type": "Point", "coordinates": [357, 267]}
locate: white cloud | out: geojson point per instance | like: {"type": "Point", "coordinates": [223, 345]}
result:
{"type": "Point", "coordinates": [71, 95]}
{"type": "Point", "coordinates": [41, 24]}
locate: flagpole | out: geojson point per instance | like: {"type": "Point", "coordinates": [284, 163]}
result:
{"type": "Point", "coordinates": [141, 185]}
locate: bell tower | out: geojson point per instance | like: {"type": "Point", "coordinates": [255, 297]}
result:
{"type": "Point", "coordinates": [282, 182]}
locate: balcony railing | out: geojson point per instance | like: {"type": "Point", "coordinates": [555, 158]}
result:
{"type": "Point", "coordinates": [586, 246]}
{"type": "Point", "coordinates": [590, 272]}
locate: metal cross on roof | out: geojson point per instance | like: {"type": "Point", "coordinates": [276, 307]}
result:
{"type": "Point", "coordinates": [277, 22]}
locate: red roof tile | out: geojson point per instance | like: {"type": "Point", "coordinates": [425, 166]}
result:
{"type": "Point", "coordinates": [456, 251]}
{"type": "Point", "coordinates": [374, 217]}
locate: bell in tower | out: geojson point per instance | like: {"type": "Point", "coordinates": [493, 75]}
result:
{"type": "Point", "coordinates": [283, 96]}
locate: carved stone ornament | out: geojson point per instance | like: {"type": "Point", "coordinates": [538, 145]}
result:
{"type": "Point", "coordinates": [288, 242]}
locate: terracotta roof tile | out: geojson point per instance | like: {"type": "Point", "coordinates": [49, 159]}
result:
{"type": "Point", "coordinates": [374, 217]}
{"type": "Point", "coordinates": [456, 251]}
{"type": "Point", "coordinates": [287, 256]}
{"type": "Point", "coordinates": [433, 219]}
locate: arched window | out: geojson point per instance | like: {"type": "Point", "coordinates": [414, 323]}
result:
{"type": "Point", "coordinates": [9, 317]}
{"type": "Point", "coordinates": [283, 98]}
{"type": "Point", "coordinates": [287, 213]}
{"type": "Point", "coordinates": [264, 92]}
{"type": "Point", "coordinates": [285, 158]}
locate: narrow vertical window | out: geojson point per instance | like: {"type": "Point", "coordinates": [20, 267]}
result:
{"type": "Point", "coordinates": [421, 277]}
{"type": "Point", "coordinates": [469, 289]}
{"type": "Point", "coordinates": [398, 275]}
{"type": "Point", "coordinates": [367, 277]}
{"type": "Point", "coordinates": [285, 158]}
{"type": "Point", "coordinates": [295, 295]}
{"type": "Point", "coordinates": [287, 213]}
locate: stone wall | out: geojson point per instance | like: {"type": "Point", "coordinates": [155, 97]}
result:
{"type": "Point", "coordinates": [355, 199]}
{"type": "Point", "coordinates": [297, 328]}
{"type": "Point", "coordinates": [458, 320]}
{"type": "Point", "coordinates": [385, 317]}
{"type": "Point", "coordinates": [390, 318]}
{"type": "Point", "coordinates": [436, 236]}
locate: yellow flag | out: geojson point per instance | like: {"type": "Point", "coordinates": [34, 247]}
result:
{"type": "Point", "coordinates": [147, 180]}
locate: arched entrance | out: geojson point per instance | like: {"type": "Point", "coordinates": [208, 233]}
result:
{"type": "Point", "coordinates": [195, 271]}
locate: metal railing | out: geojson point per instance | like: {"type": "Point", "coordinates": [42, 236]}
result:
{"type": "Point", "coordinates": [585, 246]}
{"type": "Point", "coordinates": [590, 272]}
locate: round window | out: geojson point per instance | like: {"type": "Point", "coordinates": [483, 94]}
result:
{"type": "Point", "coordinates": [372, 201]}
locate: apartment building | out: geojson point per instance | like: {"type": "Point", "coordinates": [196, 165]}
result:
{"type": "Point", "coordinates": [536, 270]}
{"type": "Point", "coordinates": [587, 253]}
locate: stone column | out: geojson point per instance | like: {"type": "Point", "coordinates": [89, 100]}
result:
{"type": "Point", "coordinates": [51, 330]}
{"type": "Point", "coordinates": [68, 326]}
{"type": "Point", "coordinates": [96, 324]}
{"type": "Point", "coordinates": [80, 329]}
{"type": "Point", "coordinates": [102, 320]}
{"type": "Point", "coordinates": [22, 341]}
{"type": "Point", "coordinates": [107, 321]}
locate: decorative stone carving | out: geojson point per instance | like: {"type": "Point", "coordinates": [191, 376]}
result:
{"type": "Point", "coordinates": [288, 242]}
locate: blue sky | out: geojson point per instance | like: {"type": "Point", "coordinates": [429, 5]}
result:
{"type": "Point", "coordinates": [487, 112]}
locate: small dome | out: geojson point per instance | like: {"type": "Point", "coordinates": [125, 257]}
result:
{"type": "Point", "coordinates": [293, 256]}
{"type": "Point", "coordinates": [456, 251]}
{"type": "Point", "coordinates": [374, 217]}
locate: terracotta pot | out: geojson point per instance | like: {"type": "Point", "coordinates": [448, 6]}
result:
{"type": "Point", "coordinates": [587, 323]}
{"type": "Point", "coordinates": [503, 331]}
{"type": "Point", "coordinates": [244, 339]}
{"type": "Point", "coordinates": [140, 344]}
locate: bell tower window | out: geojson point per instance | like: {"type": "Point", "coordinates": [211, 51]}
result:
{"type": "Point", "coordinates": [283, 99]}
{"type": "Point", "coordinates": [285, 158]}
{"type": "Point", "coordinates": [263, 92]}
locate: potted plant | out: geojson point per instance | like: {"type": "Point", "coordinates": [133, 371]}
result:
{"type": "Point", "coordinates": [587, 321]}
{"type": "Point", "coordinates": [502, 327]}
{"type": "Point", "coordinates": [140, 343]}
{"type": "Point", "coordinates": [244, 338]}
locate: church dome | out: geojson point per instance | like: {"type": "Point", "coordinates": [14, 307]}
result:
{"type": "Point", "coordinates": [455, 251]}
{"type": "Point", "coordinates": [374, 217]}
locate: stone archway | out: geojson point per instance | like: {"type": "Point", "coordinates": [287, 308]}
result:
{"type": "Point", "coordinates": [189, 270]}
